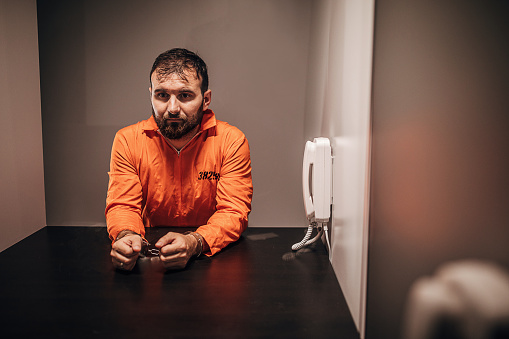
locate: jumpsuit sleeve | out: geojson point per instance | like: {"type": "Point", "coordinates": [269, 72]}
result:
{"type": "Point", "coordinates": [233, 196]}
{"type": "Point", "coordinates": [124, 199]}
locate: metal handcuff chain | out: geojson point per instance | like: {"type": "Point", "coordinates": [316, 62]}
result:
{"type": "Point", "coordinates": [147, 249]}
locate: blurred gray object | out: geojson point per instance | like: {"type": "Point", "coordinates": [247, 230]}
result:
{"type": "Point", "coordinates": [463, 300]}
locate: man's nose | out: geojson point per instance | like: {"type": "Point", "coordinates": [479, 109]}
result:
{"type": "Point", "coordinates": [173, 106]}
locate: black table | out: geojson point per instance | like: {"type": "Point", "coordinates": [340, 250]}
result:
{"type": "Point", "coordinates": [59, 283]}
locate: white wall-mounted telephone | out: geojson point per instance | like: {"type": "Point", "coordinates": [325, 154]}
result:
{"type": "Point", "coordinates": [316, 188]}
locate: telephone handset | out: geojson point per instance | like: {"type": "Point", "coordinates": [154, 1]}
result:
{"type": "Point", "coordinates": [317, 191]}
{"type": "Point", "coordinates": [316, 187]}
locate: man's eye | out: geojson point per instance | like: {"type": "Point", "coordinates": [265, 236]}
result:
{"type": "Point", "coordinates": [162, 95]}
{"type": "Point", "coordinates": [185, 96]}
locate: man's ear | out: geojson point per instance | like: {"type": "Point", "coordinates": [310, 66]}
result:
{"type": "Point", "coordinates": [150, 90]}
{"type": "Point", "coordinates": [207, 98]}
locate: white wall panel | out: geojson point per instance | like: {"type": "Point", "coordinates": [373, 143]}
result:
{"type": "Point", "coordinates": [338, 107]}
{"type": "Point", "coordinates": [22, 209]}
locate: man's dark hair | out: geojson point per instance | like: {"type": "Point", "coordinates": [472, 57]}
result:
{"type": "Point", "coordinates": [178, 61]}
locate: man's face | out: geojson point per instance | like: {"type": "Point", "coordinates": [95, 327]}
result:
{"type": "Point", "coordinates": [178, 104]}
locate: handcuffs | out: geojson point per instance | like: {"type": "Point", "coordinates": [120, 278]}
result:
{"type": "Point", "coordinates": [148, 250]}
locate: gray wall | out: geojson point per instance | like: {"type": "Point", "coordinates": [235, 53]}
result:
{"type": "Point", "coordinates": [22, 209]}
{"type": "Point", "coordinates": [95, 59]}
{"type": "Point", "coordinates": [440, 158]}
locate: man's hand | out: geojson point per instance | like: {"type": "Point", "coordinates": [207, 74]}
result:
{"type": "Point", "coordinates": [176, 249]}
{"type": "Point", "coordinates": [125, 251]}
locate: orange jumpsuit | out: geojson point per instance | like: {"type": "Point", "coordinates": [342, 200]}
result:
{"type": "Point", "coordinates": [207, 184]}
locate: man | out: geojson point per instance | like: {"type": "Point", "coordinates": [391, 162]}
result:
{"type": "Point", "coordinates": [180, 167]}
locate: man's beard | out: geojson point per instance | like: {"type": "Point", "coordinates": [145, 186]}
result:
{"type": "Point", "coordinates": [178, 130]}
